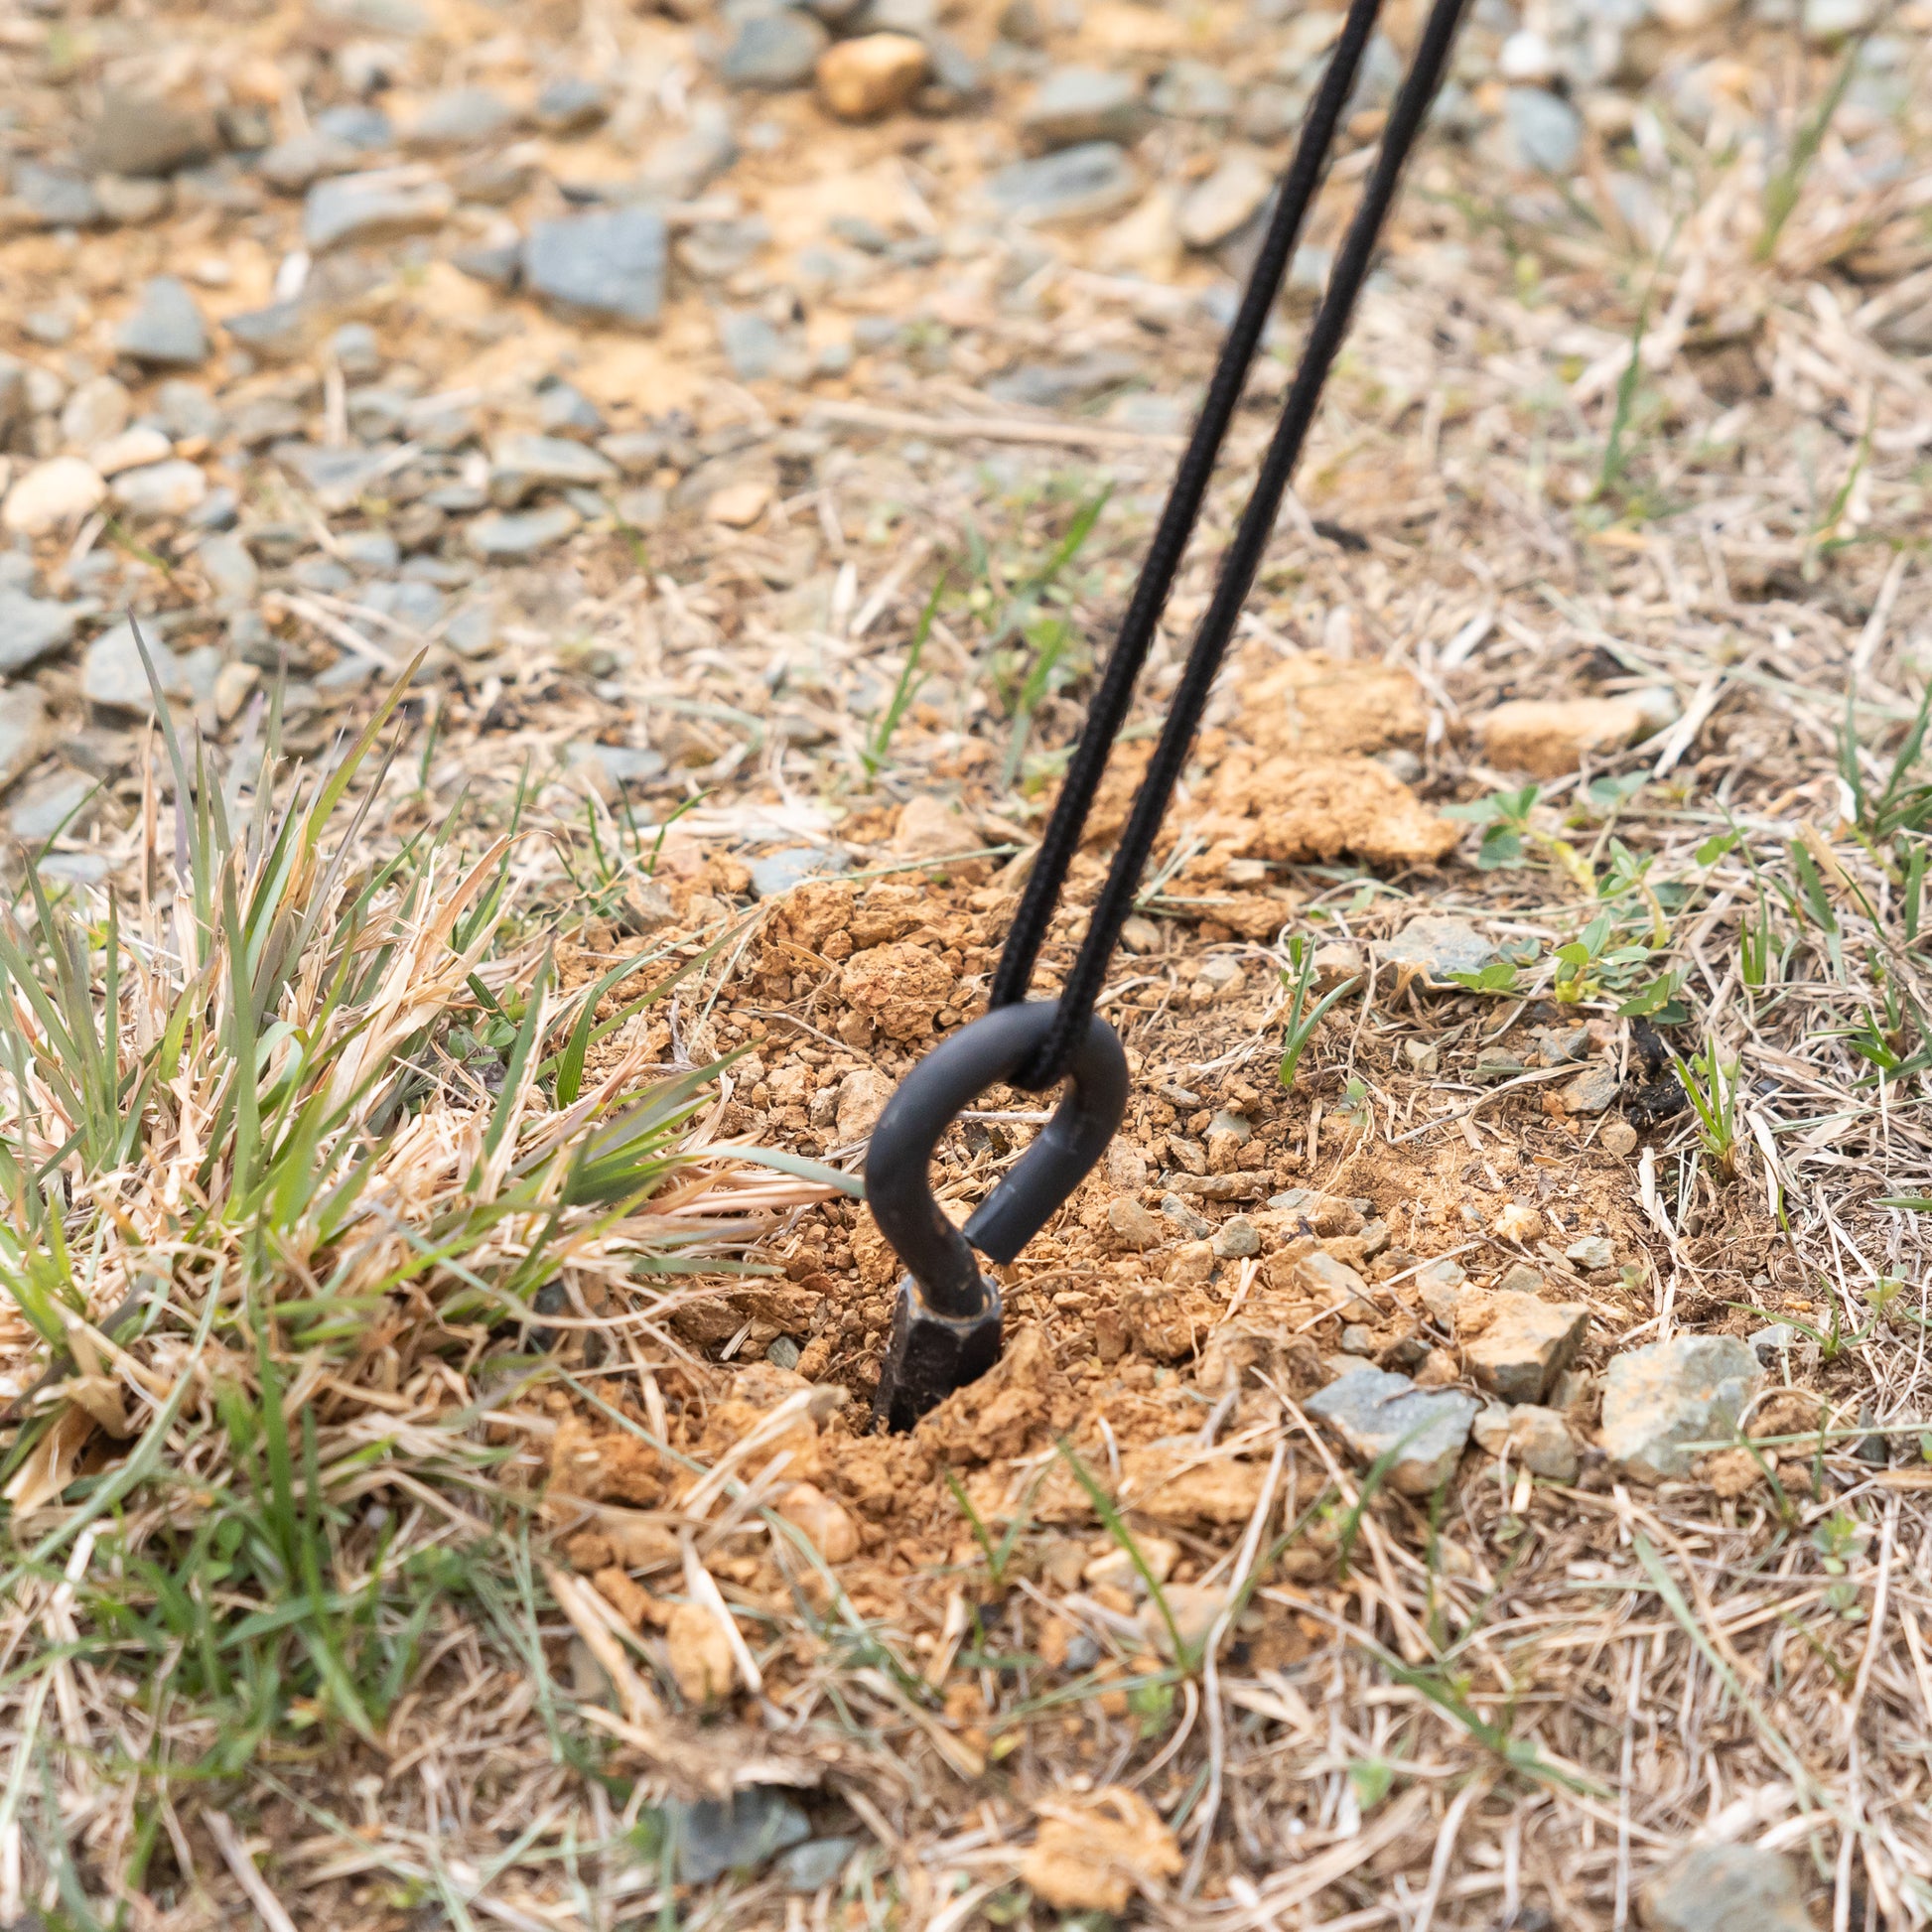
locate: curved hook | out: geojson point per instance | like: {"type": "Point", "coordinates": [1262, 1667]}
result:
{"type": "Point", "coordinates": [946, 1323]}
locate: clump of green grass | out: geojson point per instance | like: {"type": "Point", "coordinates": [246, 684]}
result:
{"type": "Point", "coordinates": [291, 1139]}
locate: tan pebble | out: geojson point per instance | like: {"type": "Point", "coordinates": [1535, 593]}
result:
{"type": "Point", "coordinates": [1519, 1223]}
{"type": "Point", "coordinates": [232, 684]}
{"type": "Point", "coordinates": [1548, 738]}
{"type": "Point", "coordinates": [53, 494]}
{"type": "Point", "coordinates": [1118, 1567]}
{"type": "Point", "coordinates": [875, 74]}
{"type": "Point", "coordinates": [823, 1519]}
{"type": "Point", "coordinates": [1619, 1137]}
{"type": "Point", "coordinates": [130, 450]}
{"type": "Point", "coordinates": [929, 829]}
{"type": "Point", "coordinates": [631, 1600]}
{"type": "Point", "coordinates": [739, 506]}
{"type": "Point", "coordinates": [700, 1654]}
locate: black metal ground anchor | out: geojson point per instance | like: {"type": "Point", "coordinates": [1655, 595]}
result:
{"type": "Point", "coordinates": [947, 1319]}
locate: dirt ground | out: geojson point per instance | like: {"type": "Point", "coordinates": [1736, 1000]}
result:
{"type": "Point", "coordinates": [1568, 734]}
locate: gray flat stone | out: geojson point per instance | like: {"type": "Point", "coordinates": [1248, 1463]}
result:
{"type": "Point", "coordinates": [1437, 945]}
{"type": "Point", "coordinates": [1076, 183]}
{"type": "Point", "coordinates": [608, 266]}
{"type": "Point", "coordinates": [357, 125]}
{"type": "Point", "coordinates": [1191, 91]}
{"type": "Point", "coordinates": [1059, 385]}
{"type": "Point", "coordinates": [1546, 132]}
{"type": "Point", "coordinates": [55, 197]}
{"type": "Point", "coordinates": [779, 871]}
{"type": "Point", "coordinates": [31, 627]}
{"type": "Point", "coordinates": [113, 676]}
{"type": "Point", "coordinates": [464, 117]}
{"type": "Point", "coordinates": [304, 158]}
{"type": "Point", "coordinates": [229, 567]}
{"type": "Point", "coordinates": [1591, 1090]}
{"type": "Point", "coordinates": [277, 334]}
{"type": "Point", "coordinates": [23, 730]}
{"type": "Point", "coordinates": [775, 51]}
{"type": "Point", "coordinates": [521, 463]}
{"type": "Point", "coordinates": [378, 206]}
{"type": "Point", "coordinates": [1536, 1439]}
{"type": "Point", "coordinates": [1690, 1389]}
{"type": "Point", "coordinates": [570, 104]}
{"type": "Point", "coordinates": [160, 490]}
{"type": "Point", "coordinates": [166, 330]}
{"type": "Point", "coordinates": [680, 167]}
{"type": "Point", "coordinates": [1725, 1889]}
{"type": "Point", "coordinates": [62, 801]}
{"type": "Point", "coordinates": [503, 536]}
{"type": "Point", "coordinates": [132, 200]}
{"type": "Point", "coordinates": [1075, 104]}
{"type": "Point", "coordinates": [736, 1835]}
{"type": "Point", "coordinates": [613, 768]}
{"type": "Point", "coordinates": [1525, 1344]}
{"type": "Point", "coordinates": [335, 478]}
{"type": "Point", "coordinates": [1591, 1251]}
{"type": "Point", "coordinates": [816, 1864]}
{"type": "Point", "coordinates": [1375, 1412]}
{"type": "Point", "coordinates": [750, 345]}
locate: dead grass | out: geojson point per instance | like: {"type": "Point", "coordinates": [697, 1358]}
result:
{"type": "Point", "coordinates": [309, 1602]}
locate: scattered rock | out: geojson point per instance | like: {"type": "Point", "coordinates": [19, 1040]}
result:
{"type": "Point", "coordinates": [775, 873]}
{"type": "Point", "coordinates": [1236, 1238]}
{"type": "Point", "coordinates": [1546, 738]}
{"type": "Point", "coordinates": [737, 1834]}
{"type": "Point", "coordinates": [521, 463]}
{"type": "Point", "coordinates": [113, 676]}
{"type": "Point", "coordinates": [1440, 1285]}
{"type": "Point", "coordinates": [1375, 1412]}
{"type": "Point", "coordinates": [1619, 1137]}
{"type": "Point", "coordinates": [611, 768]}
{"type": "Point", "coordinates": [752, 344]}
{"type": "Point", "coordinates": [572, 104]}
{"type": "Point", "coordinates": [1216, 207]}
{"type": "Point", "coordinates": [1725, 1889]}
{"type": "Point", "coordinates": [1546, 132]}
{"type": "Point", "coordinates": [130, 450]}
{"type": "Point", "coordinates": [877, 74]}
{"type": "Point", "coordinates": [166, 330]}
{"type": "Point", "coordinates": [824, 1521]}
{"type": "Point", "coordinates": [1301, 809]}
{"type": "Point", "coordinates": [861, 1098]}
{"type": "Point", "coordinates": [1690, 1389]}
{"type": "Point", "coordinates": [1133, 1225]}
{"type": "Point", "coordinates": [378, 205]}
{"type": "Point", "coordinates": [1537, 1440]}
{"type": "Point", "coordinates": [23, 730]}
{"type": "Point", "coordinates": [1591, 1090]}
{"type": "Point", "coordinates": [503, 536]}
{"type": "Point", "coordinates": [773, 51]}
{"type": "Point", "coordinates": [228, 567]}
{"type": "Point", "coordinates": [132, 200]}
{"type": "Point", "coordinates": [1523, 1343]}
{"type": "Point", "coordinates": [701, 1657]}
{"type": "Point", "coordinates": [929, 828]}
{"type": "Point", "coordinates": [277, 334]}
{"type": "Point", "coordinates": [304, 158]}
{"type": "Point", "coordinates": [31, 627]}
{"type": "Point", "coordinates": [1434, 945]}
{"type": "Point", "coordinates": [54, 197]}
{"type": "Point", "coordinates": [1075, 104]}
{"type": "Point", "coordinates": [160, 490]}
{"type": "Point", "coordinates": [465, 117]}
{"type": "Point", "coordinates": [1778, 1345]}
{"type": "Point", "coordinates": [1191, 91]}
{"type": "Point", "coordinates": [608, 266]}
{"type": "Point", "coordinates": [814, 1865]}
{"type": "Point", "coordinates": [1074, 184]}
{"type": "Point", "coordinates": [143, 131]}
{"type": "Point", "coordinates": [739, 506]}
{"type": "Point", "coordinates": [62, 801]}
{"type": "Point", "coordinates": [1092, 1854]}
{"type": "Point", "coordinates": [1591, 1251]}
{"type": "Point", "coordinates": [98, 409]}
{"type": "Point", "coordinates": [1830, 21]}
{"type": "Point", "coordinates": [52, 495]}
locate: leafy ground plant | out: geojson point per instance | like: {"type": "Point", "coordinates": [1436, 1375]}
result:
{"type": "Point", "coordinates": [292, 1141]}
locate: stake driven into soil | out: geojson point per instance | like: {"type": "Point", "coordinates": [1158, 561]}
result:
{"type": "Point", "coordinates": [945, 1323]}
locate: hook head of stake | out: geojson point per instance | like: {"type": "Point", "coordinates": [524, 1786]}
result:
{"type": "Point", "coordinates": [946, 1320]}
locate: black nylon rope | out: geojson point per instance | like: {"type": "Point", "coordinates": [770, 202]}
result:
{"type": "Point", "coordinates": [1108, 712]}
{"type": "Point", "coordinates": [1238, 568]}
